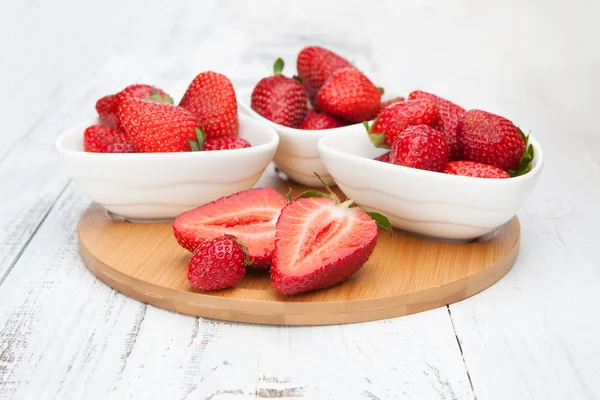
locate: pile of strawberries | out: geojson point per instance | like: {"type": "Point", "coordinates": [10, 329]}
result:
{"type": "Point", "coordinates": [312, 242]}
{"type": "Point", "coordinates": [338, 93]}
{"type": "Point", "coordinates": [431, 133]}
{"type": "Point", "coordinates": [143, 119]}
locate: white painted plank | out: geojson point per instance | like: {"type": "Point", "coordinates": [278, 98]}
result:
{"type": "Point", "coordinates": [66, 335]}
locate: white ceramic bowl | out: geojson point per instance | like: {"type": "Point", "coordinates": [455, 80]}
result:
{"type": "Point", "coordinates": [427, 203]}
{"type": "Point", "coordinates": [150, 186]}
{"type": "Point", "coordinates": [297, 155]}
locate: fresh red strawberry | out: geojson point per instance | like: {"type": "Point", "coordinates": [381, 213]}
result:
{"type": "Point", "coordinates": [280, 99]}
{"type": "Point", "coordinates": [218, 264]}
{"type": "Point", "coordinates": [102, 139]}
{"type": "Point", "coordinates": [315, 65]}
{"type": "Point", "coordinates": [158, 127]}
{"type": "Point", "coordinates": [348, 94]}
{"type": "Point", "coordinates": [249, 215]}
{"type": "Point", "coordinates": [316, 121]}
{"type": "Point", "coordinates": [225, 143]}
{"type": "Point", "coordinates": [398, 116]}
{"type": "Point", "coordinates": [107, 112]}
{"type": "Point", "coordinates": [385, 157]}
{"type": "Point", "coordinates": [491, 139]}
{"type": "Point", "coordinates": [391, 101]}
{"type": "Point", "coordinates": [211, 98]}
{"type": "Point", "coordinates": [108, 106]}
{"type": "Point", "coordinates": [320, 242]}
{"type": "Point", "coordinates": [449, 115]}
{"type": "Point", "coordinates": [421, 147]}
{"type": "Point", "coordinates": [475, 169]}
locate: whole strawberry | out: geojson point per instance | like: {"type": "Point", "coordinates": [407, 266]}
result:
{"type": "Point", "coordinates": [211, 98]}
{"type": "Point", "coordinates": [491, 139]}
{"type": "Point", "coordinates": [395, 118]}
{"type": "Point", "coordinates": [218, 264]}
{"type": "Point", "coordinates": [102, 139]}
{"type": "Point", "coordinates": [280, 99]}
{"type": "Point", "coordinates": [348, 94]}
{"type": "Point", "coordinates": [449, 115]}
{"type": "Point", "coordinates": [159, 127]}
{"type": "Point", "coordinates": [315, 65]}
{"type": "Point", "coordinates": [317, 121]}
{"type": "Point", "coordinates": [421, 147]}
{"type": "Point", "coordinates": [108, 106]}
{"type": "Point", "coordinates": [225, 143]}
{"type": "Point", "coordinates": [475, 169]}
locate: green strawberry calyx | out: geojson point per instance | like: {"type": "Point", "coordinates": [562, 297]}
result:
{"type": "Point", "coordinates": [278, 66]}
{"type": "Point", "coordinates": [198, 144]}
{"type": "Point", "coordinates": [381, 220]}
{"type": "Point", "coordinates": [156, 97]}
{"type": "Point", "coordinates": [526, 158]}
{"type": "Point", "coordinates": [377, 139]}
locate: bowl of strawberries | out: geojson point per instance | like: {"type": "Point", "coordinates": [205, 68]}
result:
{"type": "Point", "coordinates": [436, 169]}
{"type": "Point", "coordinates": [329, 96]}
{"type": "Point", "coordinates": [145, 158]}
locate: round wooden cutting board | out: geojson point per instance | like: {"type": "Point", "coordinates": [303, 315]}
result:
{"type": "Point", "coordinates": [405, 274]}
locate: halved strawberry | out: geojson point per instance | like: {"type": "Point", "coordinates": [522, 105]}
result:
{"type": "Point", "coordinates": [249, 215]}
{"type": "Point", "coordinates": [320, 242]}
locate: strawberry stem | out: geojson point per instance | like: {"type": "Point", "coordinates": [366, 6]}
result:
{"type": "Point", "coordinates": [278, 66]}
{"type": "Point", "coordinates": [335, 197]}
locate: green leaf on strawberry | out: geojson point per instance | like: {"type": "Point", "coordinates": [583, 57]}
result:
{"type": "Point", "coordinates": [526, 158]}
{"type": "Point", "coordinates": [316, 193]}
{"type": "Point", "coordinates": [278, 66]}
{"type": "Point", "coordinates": [381, 220]}
{"type": "Point", "coordinates": [156, 97]}
{"type": "Point", "coordinates": [198, 144]}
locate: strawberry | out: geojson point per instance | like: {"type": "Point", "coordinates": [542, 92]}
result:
{"type": "Point", "coordinates": [108, 106]}
{"type": "Point", "coordinates": [315, 65]}
{"type": "Point", "coordinates": [158, 127]}
{"type": "Point", "coordinates": [218, 264]}
{"type": "Point", "coordinates": [491, 139]}
{"type": "Point", "coordinates": [248, 215]}
{"type": "Point", "coordinates": [385, 157]}
{"type": "Point", "coordinates": [475, 169]}
{"type": "Point", "coordinates": [392, 120]}
{"type": "Point", "coordinates": [102, 139]}
{"type": "Point", "coordinates": [391, 101]}
{"type": "Point", "coordinates": [280, 99]}
{"type": "Point", "coordinates": [225, 143]}
{"type": "Point", "coordinates": [449, 115]}
{"type": "Point", "coordinates": [211, 98]}
{"type": "Point", "coordinates": [421, 147]}
{"type": "Point", "coordinates": [316, 121]}
{"type": "Point", "coordinates": [320, 242]}
{"type": "Point", "coordinates": [348, 94]}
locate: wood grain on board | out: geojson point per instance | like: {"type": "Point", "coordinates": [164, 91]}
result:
{"type": "Point", "coordinates": [405, 274]}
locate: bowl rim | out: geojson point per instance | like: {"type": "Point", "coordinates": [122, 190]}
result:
{"type": "Point", "coordinates": [323, 145]}
{"type": "Point", "coordinates": [78, 129]}
{"type": "Point", "coordinates": [245, 94]}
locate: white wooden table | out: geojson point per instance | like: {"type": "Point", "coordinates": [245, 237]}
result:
{"type": "Point", "coordinates": [534, 335]}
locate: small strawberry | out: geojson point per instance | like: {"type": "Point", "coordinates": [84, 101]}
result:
{"type": "Point", "coordinates": [211, 98]}
{"type": "Point", "coordinates": [218, 264]}
{"type": "Point", "coordinates": [421, 147]}
{"type": "Point", "coordinates": [316, 121]}
{"type": "Point", "coordinates": [315, 65]}
{"type": "Point", "coordinates": [491, 139]}
{"type": "Point", "coordinates": [159, 127]}
{"type": "Point", "coordinates": [475, 169]}
{"type": "Point", "coordinates": [385, 104]}
{"type": "Point", "coordinates": [225, 143]}
{"type": "Point", "coordinates": [108, 106]}
{"type": "Point", "coordinates": [385, 157]}
{"type": "Point", "coordinates": [248, 215]}
{"type": "Point", "coordinates": [449, 115]}
{"type": "Point", "coordinates": [395, 118]}
{"type": "Point", "coordinates": [348, 94]}
{"type": "Point", "coordinates": [320, 242]}
{"type": "Point", "coordinates": [280, 99]}
{"type": "Point", "coordinates": [102, 139]}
